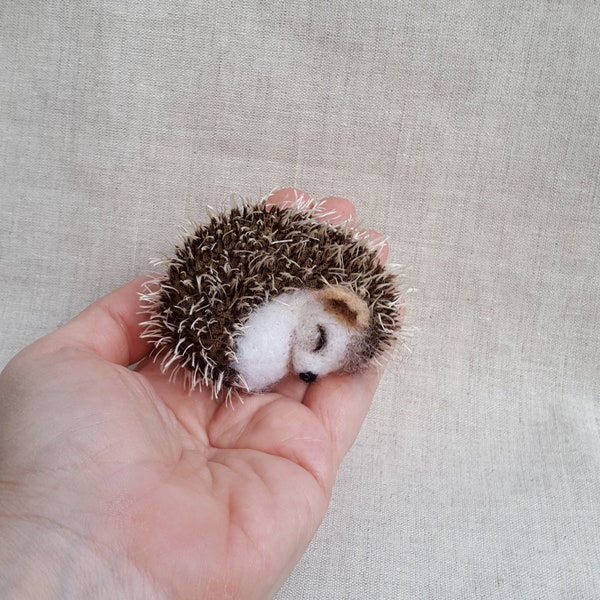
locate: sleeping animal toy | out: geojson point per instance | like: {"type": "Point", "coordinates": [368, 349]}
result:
{"type": "Point", "coordinates": [266, 290]}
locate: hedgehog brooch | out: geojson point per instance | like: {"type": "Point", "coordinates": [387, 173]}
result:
{"type": "Point", "coordinates": [269, 290]}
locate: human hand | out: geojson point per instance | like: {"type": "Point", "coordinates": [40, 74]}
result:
{"type": "Point", "coordinates": [116, 482]}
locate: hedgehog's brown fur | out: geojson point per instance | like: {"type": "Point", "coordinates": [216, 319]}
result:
{"type": "Point", "coordinates": [238, 261]}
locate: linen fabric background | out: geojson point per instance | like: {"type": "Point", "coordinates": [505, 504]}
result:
{"type": "Point", "coordinates": [467, 132]}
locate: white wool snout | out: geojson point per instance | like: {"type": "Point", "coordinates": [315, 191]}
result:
{"type": "Point", "coordinates": [292, 333]}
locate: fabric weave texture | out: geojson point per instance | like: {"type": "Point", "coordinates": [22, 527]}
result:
{"type": "Point", "coordinates": [466, 132]}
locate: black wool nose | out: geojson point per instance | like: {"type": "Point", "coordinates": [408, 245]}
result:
{"type": "Point", "coordinates": [308, 377]}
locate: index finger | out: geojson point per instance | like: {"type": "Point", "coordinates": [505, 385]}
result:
{"type": "Point", "coordinates": [341, 402]}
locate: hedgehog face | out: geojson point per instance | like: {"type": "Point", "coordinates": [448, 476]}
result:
{"type": "Point", "coordinates": [320, 343]}
{"type": "Point", "coordinates": [306, 332]}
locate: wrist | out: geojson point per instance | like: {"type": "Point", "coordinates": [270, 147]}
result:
{"type": "Point", "coordinates": [43, 558]}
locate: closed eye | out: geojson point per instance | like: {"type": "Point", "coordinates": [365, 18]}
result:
{"type": "Point", "coordinates": [322, 340]}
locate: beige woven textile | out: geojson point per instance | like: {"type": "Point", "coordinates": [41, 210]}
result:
{"type": "Point", "coordinates": [468, 132]}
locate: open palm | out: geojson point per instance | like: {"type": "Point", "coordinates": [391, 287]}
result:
{"type": "Point", "coordinates": [159, 492]}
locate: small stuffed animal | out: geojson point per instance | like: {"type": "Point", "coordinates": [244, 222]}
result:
{"type": "Point", "coordinates": [269, 290]}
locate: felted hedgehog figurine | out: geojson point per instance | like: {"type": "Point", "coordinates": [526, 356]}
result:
{"type": "Point", "coordinates": [267, 290]}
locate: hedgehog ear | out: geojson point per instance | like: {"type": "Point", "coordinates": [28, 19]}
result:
{"type": "Point", "coordinates": [346, 306]}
